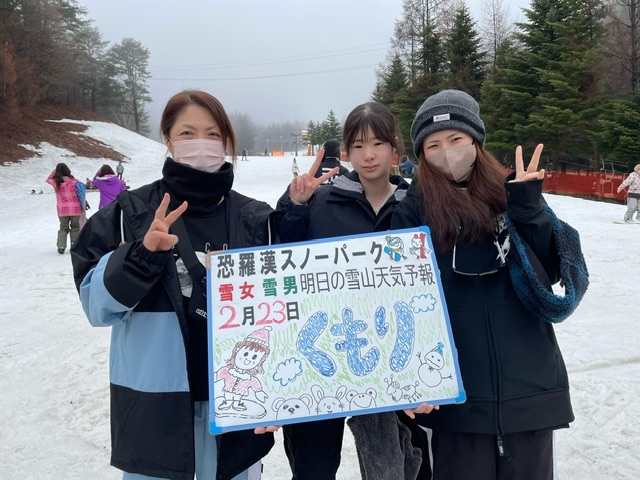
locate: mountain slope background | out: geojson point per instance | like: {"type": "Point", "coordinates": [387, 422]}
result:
{"type": "Point", "coordinates": [34, 125]}
{"type": "Point", "coordinates": [54, 405]}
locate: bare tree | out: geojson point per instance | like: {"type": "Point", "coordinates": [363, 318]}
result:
{"type": "Point", "coordinates": [418, 17]}
{"type": "Point", "coordinates": [495, 26]}
{"type": "Point", "coordinates": [623, 39]}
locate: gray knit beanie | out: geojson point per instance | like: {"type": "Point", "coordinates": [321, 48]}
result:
{"type": "Point", "coordinates": [447, 110]}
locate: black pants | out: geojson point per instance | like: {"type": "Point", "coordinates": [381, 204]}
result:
{"type": "Point", "coordinates": [461, 456]}
{"type": "Point", "coordinates": [314, 448]}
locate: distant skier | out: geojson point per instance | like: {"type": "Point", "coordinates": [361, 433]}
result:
{"type": "Point", "coordinates": [119, 169]}
{"type": "Point", "coordinates": [294, 168]}
{"type": "Point", "coordinates": [244, 155]}
{"type": "Point", "coordinates": [633, 195]}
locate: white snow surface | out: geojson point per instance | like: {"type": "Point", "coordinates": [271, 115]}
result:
{"type": "Point", "coordinates": [54, 386]}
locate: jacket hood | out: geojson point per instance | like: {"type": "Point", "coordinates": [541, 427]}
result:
{"type": "Point", "coordinates": [109, 179]}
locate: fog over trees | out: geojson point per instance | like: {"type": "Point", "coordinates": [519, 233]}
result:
{"type": "Point", "coordinates": [565, 75]}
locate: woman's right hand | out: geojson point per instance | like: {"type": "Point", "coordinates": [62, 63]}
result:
{"type": "Point", "coordinates": [304, 186]}
{"type": "Point", "coordinates": [158, 238]}
{"type": "Point", "coordinates": [422, 408]}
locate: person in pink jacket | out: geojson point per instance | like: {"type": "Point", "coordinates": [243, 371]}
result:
{"type": "Point", "coordinates": [108, 184]}
{"type": "Point", "coordinates": [633, 195]}
{"type": "Point", "coordinates": [69, 205]}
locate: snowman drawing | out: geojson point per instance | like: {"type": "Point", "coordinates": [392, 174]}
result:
{"type": "Point", "coordinates": [429, 370]}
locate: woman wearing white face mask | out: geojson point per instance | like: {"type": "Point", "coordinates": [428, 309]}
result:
{"type": "Point", "coordinates": [134, 276]}
{"type": "Point", "coordinates": [501, 307]}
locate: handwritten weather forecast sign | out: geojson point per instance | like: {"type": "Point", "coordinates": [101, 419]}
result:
{"type": "Point", "coordinates": [325, 329]}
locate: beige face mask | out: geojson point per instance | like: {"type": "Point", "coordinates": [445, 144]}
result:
{"type": "Point", "coordinates": [455, 163]}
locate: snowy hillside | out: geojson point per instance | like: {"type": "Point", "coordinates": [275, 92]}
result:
{"type": "Point", "coordinates": [54, 404]}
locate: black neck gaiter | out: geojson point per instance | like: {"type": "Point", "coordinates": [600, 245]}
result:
{"type": "Point", "coordinates": [201, 190]}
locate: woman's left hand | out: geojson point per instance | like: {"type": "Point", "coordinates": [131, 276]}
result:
{"type": "Point", "coordinates": [531, 173]}
{"type": "Point", "coordinates": [423, 408]}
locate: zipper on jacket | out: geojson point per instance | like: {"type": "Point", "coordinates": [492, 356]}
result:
{"type": "Point", "coordinates": [499, 439]}
{"type": "Point", "coordinates": [500, 445]}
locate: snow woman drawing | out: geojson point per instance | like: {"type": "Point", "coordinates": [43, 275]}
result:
{"type": "Point", "coordinates": [239, 376]}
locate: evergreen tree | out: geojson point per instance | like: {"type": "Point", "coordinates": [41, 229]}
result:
{"type": "Point", "coordinates": [431, 57]}
{"type": "Point", "coordinates": [394, 93]}
{"type": "Point", "coordinates": [89, 66]}
{"type": "Point", "coordinates": [618, 133]}
{"type": "Point", "coordinates": [314, 133]}
{"type": "Point", "coordinates": [403, 92]}
{"type": "Point", "coordinates": [127, 64]}
{"type": "Point", "coordinates": [393, 82]}
{"type": "Point", "coordinates": [465, 59]}
{"type": "Point", "coordinates": [432, 54]}
{"type": "Point", "coordinates": [549, 90]}
{"type": "Point", "coordinates": [568, 101]}
{"type": "Point", "coordinates": [331, 128]}
{"type": "Point", "coordinates": [504, 105]}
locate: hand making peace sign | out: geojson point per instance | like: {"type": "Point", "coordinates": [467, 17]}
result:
{"type": "Point", "coordinates": [158, 238]}
{"type": "Point", "coordinates": [531, 173]}
{"type": "Point", "coordinates": [304, 186]}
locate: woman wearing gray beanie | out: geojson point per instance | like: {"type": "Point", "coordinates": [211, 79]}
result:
{"type": "Point", "coordinates": [499, 249]}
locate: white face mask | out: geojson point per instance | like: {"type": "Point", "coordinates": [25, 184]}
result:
{"type": "Point", "coordinates": [455, 163]}
{"type": "Point", "coordinates": [203, 155]}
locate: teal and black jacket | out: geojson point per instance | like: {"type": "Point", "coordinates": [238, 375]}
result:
{"type": "Point", "coordinates": [137, 293]}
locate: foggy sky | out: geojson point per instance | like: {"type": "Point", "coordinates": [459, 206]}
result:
{"type": "Point", "coordinates": [277, 61]}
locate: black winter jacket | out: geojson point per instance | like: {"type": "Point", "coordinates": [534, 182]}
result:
{"type": "Point", "coordinates": [137, 293]}
{"type": "Point", "coordinates": [511, 366]}
{"type": "Point", "coordinates": [336, 210]}
{"type": "Point", "coordinates": [329, 164]}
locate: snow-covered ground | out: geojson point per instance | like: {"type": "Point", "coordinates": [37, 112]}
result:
{"type": "Point", "coordinates": [54, 389]}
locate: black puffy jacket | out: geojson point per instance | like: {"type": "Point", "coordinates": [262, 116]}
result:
{"type": "Point", "coordinates": [511, 366]}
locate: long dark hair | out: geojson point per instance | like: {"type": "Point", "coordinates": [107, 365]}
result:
{"type": "Point", "coordinates": [451, 211]}
{"type": "Point", "coordinates": [376, 116]}
{"type": "Point", "coordinates": [62, 170]}
{"type": "Point", "coordinates": [105, 170]}
{"type": "Point", "coordinates": [182, 100]}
